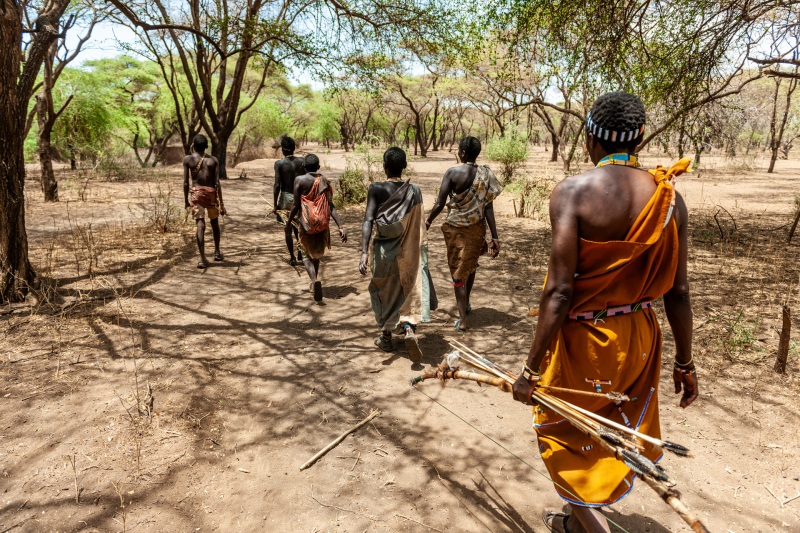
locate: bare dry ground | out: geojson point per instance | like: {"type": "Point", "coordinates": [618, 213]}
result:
{"type": "Point", "coordinates": [142, 394]}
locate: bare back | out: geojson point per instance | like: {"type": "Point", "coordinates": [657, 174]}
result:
{"type": "Point", "coordinates": [202, 169]}
{"type": "Point", "coordinates": [609, 199]}
{"type": "Point", "coordinates": [303, 185]}
{"type": "Point", "coordinates": [459, 179]}
{"type": "Point", "coordinates": [286, 170]}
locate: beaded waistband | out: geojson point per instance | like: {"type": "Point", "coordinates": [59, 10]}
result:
{"type": "Point", "coordinates": [610, 311]}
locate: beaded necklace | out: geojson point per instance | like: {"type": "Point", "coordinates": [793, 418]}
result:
{"type": "Point", "coordinates": [628, 160]}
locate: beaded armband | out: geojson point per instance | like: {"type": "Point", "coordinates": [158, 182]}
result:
{"type": "Point", "coordinates": [529, 374]}
{"type": "Point", "coordinates": [685, 371]}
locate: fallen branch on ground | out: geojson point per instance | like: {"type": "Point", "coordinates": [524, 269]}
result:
{"type": "Point", "coordinates": [339, 439]}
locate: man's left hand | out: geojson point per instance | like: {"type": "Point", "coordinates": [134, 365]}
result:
{"type": "Point", "coordinates": [222, 210]}
{"type": "Point", "coordinates": [687, 382]}
{"type": "Point", "coordinates": [494, 248]}
{"type": "Point", "coordinates": [343, 234]}
{"type": "Point", "coordinates": [362, 265]}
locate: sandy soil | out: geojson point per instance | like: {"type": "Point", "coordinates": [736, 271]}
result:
{"type": "Point", "coordinates": [249, 378]}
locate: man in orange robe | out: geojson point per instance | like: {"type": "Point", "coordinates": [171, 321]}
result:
{"type": "Point", "coordinates": [619, 242]}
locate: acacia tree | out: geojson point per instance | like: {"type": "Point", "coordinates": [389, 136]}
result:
{"type": "Point", "coordinates": [638, 49]}
{"type": "Point", "coordinates": [57, 58]}
{"type": "Point", "coordinates": [214, 56]}
{"type": "Point", "coordinates": [20, 61]}
{"type": "Point", "coordinates": [777, 126]}
{"type": "Point", "coordinates": [357, 110]}
{"type": "Point", "coordinates": [141, 96]}
{"type": "Point", "coordinates": [420, 96]}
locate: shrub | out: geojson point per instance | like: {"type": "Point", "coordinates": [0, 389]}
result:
{"type": "Point", "coordinates": [371, 161]}
{"type": "Point", "coordinates": [511, 151]}
{"type": "Point", "coordinates": [530, 196]}
{"type": "Point", "coordinates": [159, 212]}
{"type": "Point", "coordinates": [352, 187]}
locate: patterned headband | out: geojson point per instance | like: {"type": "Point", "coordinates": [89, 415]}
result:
{"type": "Point", "coordinates": [611, 135]}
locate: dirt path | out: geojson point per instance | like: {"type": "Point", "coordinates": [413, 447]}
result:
{"type": "Point", "coordinates": [250, 378]}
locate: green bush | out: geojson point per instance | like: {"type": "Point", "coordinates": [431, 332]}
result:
{"type": "Point", "coordinates": [352, 188]}
{"type": "Point", "coordinates": [511, 151]}
{"type": "Point", "coordinates": [372, 162]}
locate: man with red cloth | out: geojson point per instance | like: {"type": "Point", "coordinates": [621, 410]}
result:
{"type": "Point", "coordinates": [204, 194]}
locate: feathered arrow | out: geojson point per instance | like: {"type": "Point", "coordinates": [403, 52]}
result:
{"type": "Point", "coordinates": [617, 439]}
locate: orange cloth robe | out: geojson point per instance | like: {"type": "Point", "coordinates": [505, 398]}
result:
{"type": "Point", "coordinates": [623, 349]}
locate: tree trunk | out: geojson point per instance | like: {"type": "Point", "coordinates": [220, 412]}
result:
{"type": "Point", "coordinates": [555, 143]}
{"type": "Point", "coordinates": [422, 141]}
{"type": "Point", "coordinates": [49, 183]}
{"type": "Point", "coordinates": [16, 273]}
{"type": "Point", "coordinates": [777, 140]}
{"type": "Point", "coordinates": [48, 178]}
{"type": "Point", "coordinates": [219, 150]}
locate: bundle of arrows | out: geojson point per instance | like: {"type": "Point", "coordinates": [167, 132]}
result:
{"type": "Point", "coordinates": [621, 441]}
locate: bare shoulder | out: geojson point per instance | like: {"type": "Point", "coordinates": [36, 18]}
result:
{"type": "Point", "coordinates": [570, 192]}
{"type": "Point", "coordinates": [573, 185]}
{"type": "Point", "coordinates": [213, 159]}
{"type": "Point", "coordinates": [187, 160]}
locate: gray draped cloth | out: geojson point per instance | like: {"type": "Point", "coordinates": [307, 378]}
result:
{"type": "Point", "coordinates": [401, 290]}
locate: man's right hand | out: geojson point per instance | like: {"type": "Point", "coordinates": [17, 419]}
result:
{"type": "Point", "coordinates": [362, 266]}
{"type": "Point", "coordinates": [522, 390]}
{"type": "Point", "coordinates": [687, 382]}
{"type": "Point", "coordinates": [494, 248]}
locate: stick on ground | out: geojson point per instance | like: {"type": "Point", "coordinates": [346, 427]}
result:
{"type": "Point", "coordinates": [339, 439]}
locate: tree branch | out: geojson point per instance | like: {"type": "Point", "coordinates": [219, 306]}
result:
{"type": "Point", "coordinates": [136, 21]}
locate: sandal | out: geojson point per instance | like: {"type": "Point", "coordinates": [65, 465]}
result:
{"type": "Point", "coordinates": [549, 520]}
{"type": "Point", "coordinates": [218, 257]}
{"type": "Point", "coordinates": [458, 328]}
{"type": "Point", "coordinates": [202, 264]}
{"type": "Point", "coordinates": [414, 353]}
{"type": "Point", "coordinates": [384, 344]}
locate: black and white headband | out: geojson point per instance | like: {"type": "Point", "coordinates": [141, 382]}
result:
{"type": "Point", "coordinates": [611, 135]}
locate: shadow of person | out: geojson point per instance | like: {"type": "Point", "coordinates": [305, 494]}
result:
{"type": "Point", "coordinates": [617, 521]}
{"type": "Point", "coordinates": [334, 292]}
{"type": "Point", "coordinates": [434, 347]}
{"type": "Point", "coordinates": [635, 522]}
{"type": "Point", "coordinates": [486, 316]}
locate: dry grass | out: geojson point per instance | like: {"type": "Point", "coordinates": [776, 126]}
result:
{"type": "Point", "coordinates": [742, 273]}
